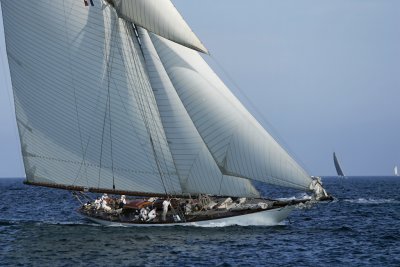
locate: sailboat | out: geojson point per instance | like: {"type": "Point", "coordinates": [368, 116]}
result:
{"type": "Point", "coordinates": [395, 171]}
{"type": "Point", "coordinates": [113, 97]}
{"type": "Point", "coordinates": [337, 166]}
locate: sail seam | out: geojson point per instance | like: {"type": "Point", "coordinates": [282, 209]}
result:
{"type": "Point", "coordinates": [75, 98]}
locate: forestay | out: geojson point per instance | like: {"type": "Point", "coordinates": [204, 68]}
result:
{"type": "Point", "coordinates": [159, 17]}
{"type": "Point", "coordinates": [238, 143]}
{"type": "Point", "coordinates": [85, 110]}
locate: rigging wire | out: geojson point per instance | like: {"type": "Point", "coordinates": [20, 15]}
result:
{"type": "Point", "coordinates": [102, 141]}
{"type": "Point", "coordinates": [142, 107]}
{"type": "Point", "coordinates": [133, 84]}
{"type": "Point", "coordinates": [149, 96]}
{"type": "Point", "coordinates": [110, 60]}
{"type": "Point", "coordinates": [83, 163]}
{"type": "Point", "coordinates": [153, 117]}
{"type": "Point", "coordinates": [258, 112]}
{"type": "Point", "coordinates": [111, 139]}
{"type": "Point", "coordinates": [109, 77]}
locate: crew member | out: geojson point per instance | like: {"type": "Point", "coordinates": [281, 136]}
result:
{"type": "Point", "coordinates": [152, 214]}
{"type": "Point", "coordinates": [166, 203]}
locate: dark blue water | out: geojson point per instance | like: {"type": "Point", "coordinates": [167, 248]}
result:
{"type": "Point", "coordinates": [39, 227]}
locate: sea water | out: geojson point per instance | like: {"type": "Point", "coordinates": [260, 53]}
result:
{"type": "Point", "coordinates": [40, 227]}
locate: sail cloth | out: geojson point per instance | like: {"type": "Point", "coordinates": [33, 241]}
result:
{"type": "Point", "coordinates": [337, 165]}
{"type": "Point", "coordinates": [85, 110]}
{"type": "Point", "coordinates": [197, 169]}
{"type": "Point", "coordinates": [238, 143]}
{"type": "Point", "coordinates": [87, 115]}
{"type": "Point", "coordinates": [161, 18]}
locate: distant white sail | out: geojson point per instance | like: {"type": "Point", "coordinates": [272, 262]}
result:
{"type": "Point", "coordinates": [395, 171]}
{"type": "Point", "coordinates": [238, 143]}
{"type": "Point", "coordinates": [161, 18]}
{"type": "Point", "coordinates": [337, 165]}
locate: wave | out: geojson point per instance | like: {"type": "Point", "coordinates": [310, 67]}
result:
{"type": "Point", "coordinates": [5, 222]}
{"type": "Point", "coordinates": [300, 196]}
{"type": "Point", "coordinates": [77, 223]}
{"type": "Point", "coordinates": [372, 201]}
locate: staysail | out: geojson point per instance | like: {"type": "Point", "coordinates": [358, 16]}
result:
{"type": "Point", "coordinates": [197, 170]}
{"type": "Point", "coordinates": [161, 18]}
{"type": "Point", "coordinates": [238, 143]}
{"type": "Point", "coordinates": [337, 165]}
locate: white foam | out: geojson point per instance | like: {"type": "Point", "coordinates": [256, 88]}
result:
{"type": "Point", "coordinates": [301, 196]}
{"type": "Point", "coordinates": [372, 201]}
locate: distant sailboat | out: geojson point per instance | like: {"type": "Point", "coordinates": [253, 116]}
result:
{"type": "Point", "coordinates": [112, 96]}
{"type": "Point", "coordinates": [337, 165]}
{"type": "Point", "coordinates": [396, 173]}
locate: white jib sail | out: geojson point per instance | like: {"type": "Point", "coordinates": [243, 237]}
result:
{"type": "Point", "coordinates": [197, 170]}
{"type": "Point", "coordinates": [161, 18]}
{"type": "Point", "coordinates": [238, 143]}
{"type": "Point", "coordinates": [85, 110]}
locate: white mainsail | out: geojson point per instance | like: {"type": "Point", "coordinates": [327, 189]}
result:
{"type": "Point", "coordinates": [84, 104]}
{"type": "Point", "coordinates": [99, 107]}
{"type": "Point", "coordinates": [238, 143]}
{"type": "Point", "coordinates": [161, 18]}
{"type": "Point", "coordinates": [395, 171]}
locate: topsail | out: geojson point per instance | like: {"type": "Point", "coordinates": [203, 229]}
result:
{"type": "Point", "coordinates": [161, 18]}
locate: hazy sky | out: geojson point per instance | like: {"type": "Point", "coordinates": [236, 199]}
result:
{"type": "Point", "coordinates": [325, 75]}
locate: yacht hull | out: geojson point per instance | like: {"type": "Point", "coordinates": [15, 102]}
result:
{"type": "Point", "coordinates": [262, 218]}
